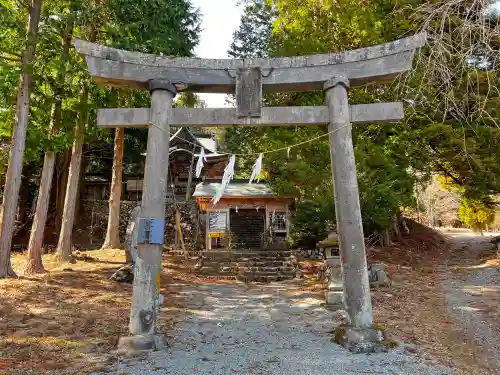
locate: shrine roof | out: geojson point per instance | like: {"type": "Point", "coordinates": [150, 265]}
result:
{"type": "Point", "coordinates": [184, 135]}
{"type": "Point", "coordinates": [208, 143]}
{"type": "Point", "coordinates": [234, 189]}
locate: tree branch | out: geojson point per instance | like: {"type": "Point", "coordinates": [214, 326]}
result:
{"type": "Point", "coordinates": [11, 53]}
{"type": "Point", "coordinates": [15, 59]}
{"type": "Point", "coordinates": [24, 4]}
{"type": "Point", "coordinates": [442, 168]}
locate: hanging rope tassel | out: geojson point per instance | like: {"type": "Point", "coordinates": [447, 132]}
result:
{"type": "Point", "coordinates": [199, 163]}
{"type": "Point", "coordinates": [257, 168]}
{"type": "Point", "coordinates": [228, 176]}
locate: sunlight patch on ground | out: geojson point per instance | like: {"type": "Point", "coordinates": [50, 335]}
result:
{"type": "Point", "coordinates": [307, 302]}
{"type": "Point", "coordinates": [489, 263]}
{"type": "Point", "coordinates": [467, 308]}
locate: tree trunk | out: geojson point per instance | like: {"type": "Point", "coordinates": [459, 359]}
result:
{"type": "Point", "coordinates": [35, 247]}
{"type": "Point", "coordinates": [178, 229]}
{"type": "Point", "coordinates": [381, 239]}
{"type": "Point", "coordinates": [388, 240]}
{"type": "Point", "coordinates": [396, 224]}
{"type": "Point", "coordinates": [112, 240]}
{"type": "Point", "coordinates": [64, 245]}
{"type": "Point", "coordinates": [385, 238]}
{"type": "Point", "coordinates": [64, 160]}
{"type": "Point", "coordinates": [14, 171]}
{"type": "Point", "coordinates": [34, 262]}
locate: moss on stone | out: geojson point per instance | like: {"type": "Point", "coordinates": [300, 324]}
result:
{"type": "Point", "coordinates": [332, 241]}
{"type": "Point", "coordinates": [209, 272]}
{"type": "Point", "coordinates": [390, 344]}
{"type": "Point", "coordinates": [375, 343]}
{"type": "Point", "coordinates": [339, 335]}
{"type": "Point", "coordinates": [378, 327]}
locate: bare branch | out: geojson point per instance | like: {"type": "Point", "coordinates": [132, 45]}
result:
{"type": "Point", "coordinates": [452, 75]}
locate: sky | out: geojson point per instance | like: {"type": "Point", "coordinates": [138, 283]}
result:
{"type": "Point", "coordinates": [220, 18]}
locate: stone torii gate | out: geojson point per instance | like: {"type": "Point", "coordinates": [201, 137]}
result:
{"type": "Point", "coordinates": [248, 79]}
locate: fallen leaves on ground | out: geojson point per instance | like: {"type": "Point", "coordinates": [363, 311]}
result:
{"type": "Point", "coordinates": [69, 317]}
{"type": "Point", "coordinates": [413, 308]}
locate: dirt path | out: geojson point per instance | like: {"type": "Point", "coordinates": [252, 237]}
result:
{"type": "Point", "coordinates": [263, 330]}
{"type": "Point", "coordinates": [472, 292]}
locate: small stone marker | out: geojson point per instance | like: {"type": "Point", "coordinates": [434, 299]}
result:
{"type": "Point", "coordinates": [334, 296]}
{"type": "Point", "coordinates": [377, 275]}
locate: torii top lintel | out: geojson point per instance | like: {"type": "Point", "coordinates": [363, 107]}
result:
{"type": "Point", "coordinates": [378, 63]}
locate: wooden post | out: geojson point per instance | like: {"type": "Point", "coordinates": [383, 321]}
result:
{"type": "Point", "coordinates": [347, 208]}
{"type": "Point", "coordinates": [190, 175]}
{"type": "Point", "coordinates": [145, 295]}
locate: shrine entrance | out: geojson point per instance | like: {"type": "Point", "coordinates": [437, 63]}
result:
{"type": "Point", "coordinates": [334, 73]}
{"type": "Point", "coordinates": [248, 226]}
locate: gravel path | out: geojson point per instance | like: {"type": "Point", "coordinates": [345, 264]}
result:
{"type": "Point", "coordinates": [262, 330]}
{"type": "Point", "coordinates": [468, 291]}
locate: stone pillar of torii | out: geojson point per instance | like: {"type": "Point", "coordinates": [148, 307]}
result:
{"type": "Point", "coordinates": [248, 79]}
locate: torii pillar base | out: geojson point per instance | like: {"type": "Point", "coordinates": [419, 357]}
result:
{"type": "Point", "coordinates": [361, 340]}
{"type": "Point", "coordinates": [130, 345]}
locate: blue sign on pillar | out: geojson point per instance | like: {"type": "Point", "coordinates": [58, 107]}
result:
{"type": "Point", "coordinates": [151, 231]}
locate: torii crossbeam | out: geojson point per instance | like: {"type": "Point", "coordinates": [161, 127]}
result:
{"type": "Point", "coordinates": [248, 79]}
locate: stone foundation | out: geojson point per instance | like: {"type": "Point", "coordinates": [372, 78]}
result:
{"type": "Point", "coordinates": [311, 253]}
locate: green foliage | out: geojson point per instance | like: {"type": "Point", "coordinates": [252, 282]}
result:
{"type": "Point", "coordinates": [189, 100]}
{"type": "Point", "coordinates": [311, 26]}
{"type": "Point", "coordinates": [451, 117]}
{"type": "Point", "coordinates": [452, 124]}
{"type": "Point", "coordinates": [312, 220]}
{"type": "Point", "coordinates": [253, 35]}
{"type": "Point", "coordinates": [476, 214]}
{"type": "Point", "coordinates": [169, 27]}
{"type": "Point", "coordinates": [384, 182]}
{"type": "Point", "coordinates": [308, 27]}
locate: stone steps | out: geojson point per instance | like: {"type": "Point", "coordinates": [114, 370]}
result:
{"type": "Point", "coordinates": [276, 264]}
{"type": "Point", "coordinates": [243, 265]}
{"type": "Point", "coordinates": [225, 267]}
{"type": "Point", "coordinates": [269, 259]}
{"type": "Point", "coordinates": [269, 263]}
{"type": "Point", "coordinates": [268, 269]}
{"type": "Point", "coordinates": [268, 273]}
